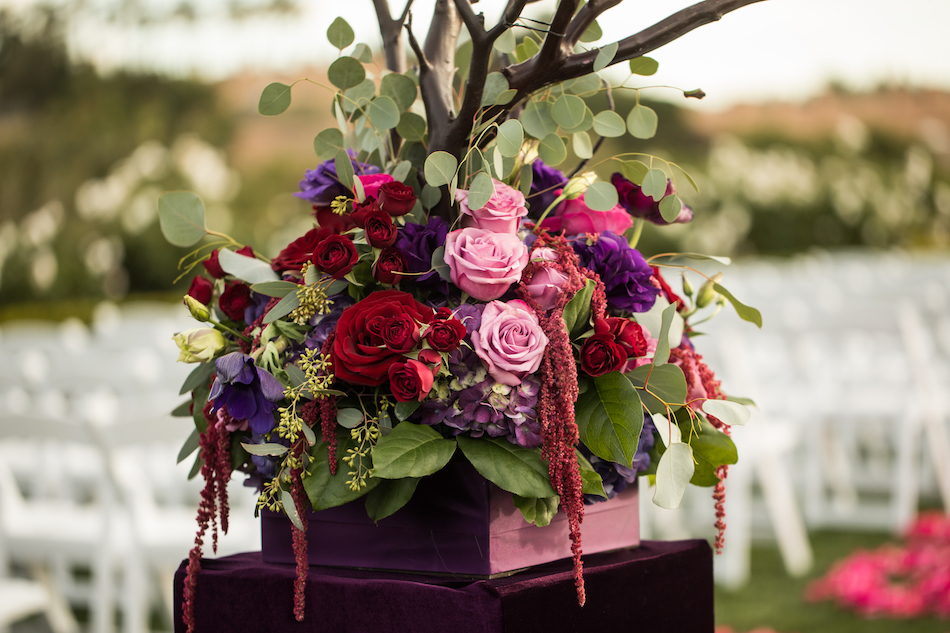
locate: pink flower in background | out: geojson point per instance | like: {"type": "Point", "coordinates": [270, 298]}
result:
{"type": "Point", "coordinates": [484, 264]}
{"type": "Point", "coordinates": [510, 341]}
{"type": "Point", "coordinates": [372, 182]}
{"type": "Point", "coordinates": [501, 214]}
{"type": "Point", "coordinates": [574, 217]}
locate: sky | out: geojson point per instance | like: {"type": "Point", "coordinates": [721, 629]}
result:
{"type": "Point", "coordinates": [777, 49]}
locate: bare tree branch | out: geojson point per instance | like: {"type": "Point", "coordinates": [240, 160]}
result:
{"type": "Point", "coordinates": [391, 31]}
{"type": "Point", "coordinates": [435, 108]}
{"type": "Point", "coordinates": [551, 47]}
{"type": "Point", "coordinates": [439, 50]}
{"type": "Point", "coordinates": [585, 17]}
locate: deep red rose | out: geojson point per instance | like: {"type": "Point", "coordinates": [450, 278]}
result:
{"type": "Point", "coordinates": [601, 355]}
{"type": "Point", "coordinates": [380, 230]}
{"type": "Point", "coordinates": [299, 252]}
{"type": "Point", "coordinates": [668, 293]}
{"type": "Point", "coordinates": [335, 255]}
{"type": "Point", "coordinates": [626, 332]}
{"type": "Point", "coordinates": [358, 363]}
{"type": "Point", "coordinates": [327, 219]}
{"type": "Point", "coordinates": [201, 289]}
{"type": "Point", "coordinates": [362, 211]}
{"type": "Point", "coordinates": [247, 251]}
{"type": "Point", "coordinates": [389, 266]}
{"type": "Point", "coordinates": [444, 313]}
{"type": "Point", "coordinates": [400, 333]}
{"type": "Point", "coordinates": [445, 335]}
{"type": "Point", "coordinates": [213, 266]}
{"type": "Point", "coordinates": [410, 380]}
{"type": "Point", "coordinates": [396, 198]}
{"type": "Point", "coordinates": [235, 298]}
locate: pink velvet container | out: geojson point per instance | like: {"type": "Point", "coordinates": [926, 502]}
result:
{"type": "Point", "coordinates": [456, 523]}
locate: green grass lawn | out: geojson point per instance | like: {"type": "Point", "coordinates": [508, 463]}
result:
{"type": "Point", "coordinates": [774, 599]}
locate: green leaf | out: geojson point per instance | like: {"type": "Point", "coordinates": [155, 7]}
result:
{"type": "Point", "coordinates": [525, 177]}
{"type": "Point", "coordinates": [344, 168]}
{"type": "Point", "coordinates": [654, 184]}
{"type": "Point", "coordinates": [329, 491]}
{"type": "Point", "coordinates": [308, 434]}
{"type": "Point", "coordinates": [540, 512]}
{"type": "Point", "coordinates": [605, 55]}
{"type": "Point", "coordinates": [480, 191]}
{"type": "Point", "coordinates": [568, 111]}
{"type": "Point", "coordinates": [582, 145]}
{"type": "Point", "coordinates": [609, 124]}
{"type": "Point", "coordinates": [601, 196]}
{"type": "Point", "coordinates": [505, 96]}
{"type": "Point", "coordinates": [506, 43]}
{"type": "Point", "coordinates": [666, 384]}
{"type": "Point", "coordinates": [199, 376]}
{"type": "Point", "coordinates": [412, 127]}
{"type": "Point", "coordinates": [189, 447]}
{"type": "Point", "coordinates": [411, 450]}
{"type": "Point", "coordinates": [527, 49]}
{"type": "Point", "coordinates": [183, 410]}
{"type": "Point", "coordinates": [401, 171]}
{"type": "Point", "coordinates": [401, 89]}
{"type": "Point", "coordinates": [196, 467]}
{"type": "Point", "coordinates": [363, 53]}
{"type": "Point", "coordinates": [284, 307]}
{"type": "Point", "coordinates": [463, 58]}
{"type": "Point", "coordinates": [349, 418]}
{"type": "Point", "coordinates": [383, 113]}
{"type": "Point", "coordinates": [672, 475]}
{"type": "Point", "coordinates": [430, 196]}
{"type": "Point", "coordinates": [200, 397]}
{"type": "Point", "coordinates": [644, 66]}
{"type": "Point", "coordinates": [404, 409]}
{"type": "Point", "coordinates": [593, 483]}
{"type": "Point", "coordinates": [592, 34]}
{"type": "Point", "coordinates": [275, 99]}
{"type": "Point", "coordinates": [440, 168]}
{"type": "Point", "coordinates": [346, 72]}
{"type": "Point", "coordinates": [689, 179]}
{"type": "Point", "coordinates": [359, 96]}
{"type": "Point", "coordinates": [576, 313]}
{"type": "Point", "coordinates": [609, 417]}
{"type": "Point", "coordinates": [518, 470]}
{"type": "Point", "coordinates": [731, 413]}
{"type": "Point", "coordinates": [181, 215]}
{"type": "Point", "coordinates": [634, 171]}
{"type": "Point", "coordinates": [296, 375]}
{"type": "Point", "coordinates": [510, 137]}
{"type": "Point", "coordinates": [670, 207]}
{"type": "Point", "coordinates": [745, 312]}
{"type": "Point", "coordinates": [327, 143]}
{"type": "Point", "coordinates": [290, 509]}
{"type": "Point", "coordinates": [552, 150]}
{"type": "Point", "coordinates": [275, 288]}
{"type": "Point", "coordinates": [641, 122]}
{"type": "Point", "coordinates": [662, 353]}
{"type": "Point", "coordinates": [265, 449]}
{"type": "Point", "coordinates": [537, 120]}
{"type": "Point", "coordinates": [725, 261]}
{"type": "Point", "coordinates": [340, 34]}
{"type": "Point", "coordinates": [584, 85]}
{"type": "Point", "coordinates": [495, 85]}
{"type": "Point", "coordinates": [249, 269]}
{"type": "Point", "coordinates": [389, 496]}
{"type": "Point", "coordinates": [711, 449]}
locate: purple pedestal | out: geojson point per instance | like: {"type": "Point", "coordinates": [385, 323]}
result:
{"type": "Point", "coordinates": [456, 523]}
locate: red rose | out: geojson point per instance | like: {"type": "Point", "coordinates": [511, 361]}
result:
{"type": "Point", "coordinates": [335, 255]}
{"type": "Point", "coordinates": [298, 252]}
{"type": "Point", "coordinates": [396, 198]}
{"type": "Point", "coordinates": [357, 359]}
{"type": "Point", "coordinates": [327, 219]}
{"type": "Point", "coordinates": [601, 355]}
{"type": "Point", "coordinates": [400, 333]}
{"type": "Point", "coordinates": [380, 230]}
{"type": "Point", "coordinates": [247, 251]}
{"type": "Point", "coordinates": [410, 380]}
{"type": "Point", "coordinates": [444, 313]}
{"type": "Point", "coordinates": [213, 266]}
{"type": "Point", "coordinates": [625, 332]}
{"type": "Point", "coordinates": [361, 211]}
{"type": "Point", "coordinates": [235, 298]}
{"type": "Point", "coordinates": [445, 335]}
{"type": "Point", "coordinates": [201, 289]}
{"type": "Point", "coordinates": [389, 266]}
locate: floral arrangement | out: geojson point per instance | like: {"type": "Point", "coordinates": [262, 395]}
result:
{"type": "Point", "coordinates": [458, 293]}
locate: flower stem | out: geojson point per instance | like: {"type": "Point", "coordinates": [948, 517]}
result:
{"type": "Point", "coordinates": [637, 231]}
{"type": "Point", "coordinates": [223, 328]}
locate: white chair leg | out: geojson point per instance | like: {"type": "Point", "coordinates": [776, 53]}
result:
{"type": "Point", "coordinates": [787, 523]}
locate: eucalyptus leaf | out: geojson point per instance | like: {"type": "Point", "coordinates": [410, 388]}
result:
{"type": "Point", "coordinates": [746, 313]}
{"type": "Point", "coordinates": [480, 191]}
{"type": "Point", "coordinates": [582, 146]}
{"type": "Point", "coordinates": [363, 53]}
{"type": "Point", "coordinates": [389, 496]}
{"type": "Point", "coordinates": [440, 168]}
{"type": "Point", "coordinates": [731, 413]}
{"type": "Point", "coordinates": [346, 72]}
{"type": "Point", "coordinates": [430, 196]}
{"type": "Point", "coordinates": [505, 96]}
{"type": "Point", "coordinates": [634, 171]}
{"type": "Point", "coordinates": [642, 122]}
{"type": "Point", "coordinates": [411, 127]}
{"type": "Point", "coordinates": [269, 449]}
{"type": "Point", "coordinates": [327, 143]}
{"type": "Point", "coordinates": [552, 150]}
{"type": "Point", "coordinates": [183, 410]}
{"type": "Point", "coordinates": [601, 196]}
{"type": "Point", "coordinates": [344, 168]}
{"type": "Point", "coordinates": [249, 269]}
{"type": "Point", "coordinates": [540, 512]}
{"type": "Point", "coordinates": [510, 138]}
{"type": "Point", "coordinates": [199, 376]}
{"type": "Point", "coordinates": [336, 286]}
{"type": "Point", "coordinates": [644, 66]}
{"type": "Point", "coordinates": [654, 184]}
{"type": "Point", "coordinates": [290, 509]}
{"type": "Point", "coordinates": [670, 208]}
{"type": "Point", "coordinates": [662, 353]}
{"type": "Point", "coordinates": [605, 55]}
{"type": "Point", "coordinates": [275, 288]}
{"type": "Point", "coordinates": [359, 96]}
{"type": "Point", "coordinates": [668, 430]}
{"type": "Point", "coordinates": [411, 450]}
{"type": "Point", "coordinates": [181, 215]}
{"type": "Point", "coordinates": [506, 42]}
{"type": "Point", "coordinates": [340, 33]}
{"type": "Point", "coordinates": [463, 58]}
{"type": "Point", "coordinates": [525, 178]}
{"type": "Point", "coordinates": [296, 375]}
{"type": "Point", "coordinates": [609, 124]}
{"type": "Point", "coordinates": [495, 84]}
{"type": "Point", "coordinates": [518, 470]}
{"type": "Point", "coordinates": [284, 307]}
{"type": "Point", "coordinates": [725, 261]}
{"type": "Point", "coordinates": [583, 85]}
{"type": "Point", "coordinates": [568, 111]}
{"type": "Point", "coordinates": [672, 475]}
{"type": "Point", "coordinates": [609, 418]}
{"type": "Point", "coordinates": [383, 113]}
{"type": "Point", "coordinates": [401, 171]}
{"type": "Point", "coordinates": [537, 120]}
{"type": "Point", "coordinates": [349, 418]}
{"type": "Point", "coordinates": [401, 89]}
{"type": "Point", "coordinates": [308, 434]}
{"type": "Point", "coordinates": [275, 99]}
{"type": "Point", "coordinates": [592, 34]}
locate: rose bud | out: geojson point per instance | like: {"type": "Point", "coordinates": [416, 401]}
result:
{"type": "Point", "coordinates": [601, 355]}
{"type": "Point", "coordinates": [198, 310]}
{"type": "Point", "coordinates": [625, 332]}
{"type": "Point", "coordinates": [396, 198]}
{"type": "Point", "coordinates": [400, 333]}
{"type": "Point", "coordinates": [390, 266]}
{"type": "Point", "coordinates": [444, 313]}
{"type": "Point", "coordinates": [213, 266]}
{"type": "Point", "coordinates": [198, 345]}
{"type": "Point", "coordinates": [380, 230]}
{"type": "Point", "coordinates": [431, 358]}
{"type": "Point", "coordinates": [410, 380]}
{"type": "Point", "coordinates": [445, 335]}
{"type": "Point", "coordinates": [201, 289]}
{"type": "Point", "coordinates": [361, 211]}
{"type": "Point", "coordinates": [247, 251]}
{"type": "Point", "coordinates": [235, 298]}
{"type": "Point", "coordinates": [335, 255]}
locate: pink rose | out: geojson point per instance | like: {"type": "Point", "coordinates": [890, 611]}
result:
{"type": "Point", "coordinates": [484, 264]}
{"type": "Point", "coordinates": [372, 182]}
{"type": "Point", "coordinates": [501, 214]}
{"type": "Point", "coordinates": [546, 284]}
{"type": "Point", "coordinates": [510, 341]}
{"type": "Point", "coordinates": [575, 217]}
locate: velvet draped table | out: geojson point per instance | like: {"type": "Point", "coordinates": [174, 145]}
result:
{"type": "Point", "coordinates": [661, 586]}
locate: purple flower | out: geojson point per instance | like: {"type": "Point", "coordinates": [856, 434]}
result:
{"type": "Point", "coordinates": [417, 242]}
{"type": "Point", "coordinates": [617, 477]}
{"type": "Point", "coordinates": [640, 205]}
{"type": "Point", "coordinates": [323, 325]}
{"type": "Point", "coordinates": [544, 181]}
{"type": "Point", "coordinates": [247, 391]}
{"type": "Point", "coordinates": [625, 273]}
{"type": "Point", "coordinates": [321, 185]}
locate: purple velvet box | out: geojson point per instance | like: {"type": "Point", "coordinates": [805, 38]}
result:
{"type": "Point", "coordinates": [456, 523]}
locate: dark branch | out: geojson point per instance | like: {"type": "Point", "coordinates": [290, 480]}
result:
{"type": "Point", "coordinates": [551, 47]}
{"type": "Point", "coordinates": [391, 31]}
{"type": "Point", "coordinates": [440, 52]}
{"type": "Point", "coordinates": [585, 17]}
{"type": "Point", "coordinates": [475, 23]}
{"type": "Point", "coordinates": [427, 80]}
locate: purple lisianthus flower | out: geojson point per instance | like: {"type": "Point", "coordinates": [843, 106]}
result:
{"type": "Point", "coordinates": [322, 185]}
{"type": "Point", "coordinates": [246, 391]}
{"type": "Point", "coordinates": [640, 205]}
{"type": "Point", "coordinates": [545, 181]}
{"type": "Point", "coordinates": [325, 324]}
{"type": "Point", "coordinates": [617, 477]}
{"type": "Point", "coordinates": [254, 311]}
{"type": "Point", "coordinates": [626, 275]}
{"type": "Point", "coordinates": [417, 242]}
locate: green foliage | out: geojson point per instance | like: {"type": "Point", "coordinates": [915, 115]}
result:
{"type": "Point", "coordinates": [275, 99]}
{"type": "Point", "coordinates": [609, 417]}
{"type": "Point", "coordinates": [326, 490]}
{"type": "Point", "coordinates": [518, 470]}
{"type": "Point", "coordinates": [537, 511]}
{"type": "Point", "coordinates": [340, 34]}
{"type": "Point", "coordinates": [389, 496]}
{"type": "Point", "coordinates": [643, 65]}
{"type": "Point", "coordinates": [576, 313]}
{"type": "Point", "coordinates": [411, 450]}
{"type": "Point", "coordinates": [642, 122]}
{"type": "Point", "coordinates": [660, 386]}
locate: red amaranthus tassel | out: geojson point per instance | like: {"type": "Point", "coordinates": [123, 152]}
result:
{"type": "Point", "coordinates": [215, 449]}
{"type": "Point", "coordinates": [300, 539]}
{"type": "Point", "coordinates": [328, 411]}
